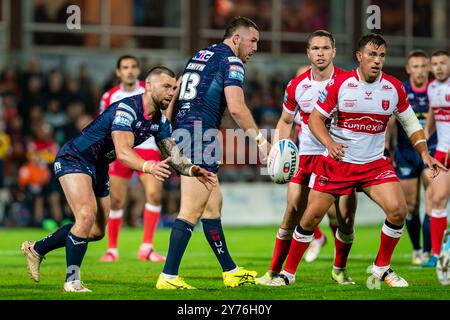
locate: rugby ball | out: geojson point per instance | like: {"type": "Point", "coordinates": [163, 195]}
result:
{"type": "Point", "coordinates": [282, 163]}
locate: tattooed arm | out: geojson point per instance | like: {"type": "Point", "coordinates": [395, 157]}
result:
{"type": "Point", "coordinates": [183, 165]}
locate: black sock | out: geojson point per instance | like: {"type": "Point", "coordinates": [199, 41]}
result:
{"type": "Point", "coordinates": [53, 241]}
{"type": "Point", "coordinates": [216, 238]}
{"type": "Point", "coordinates": [413, 226]}
{"type": "Point", "coordinates": [426, 234]}
{"type": "Point", "coordinates": [75, 249]}
{"type": "Point", "coordinates": [179, 239]}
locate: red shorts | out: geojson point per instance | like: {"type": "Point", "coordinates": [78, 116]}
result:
{"type": "Point", "coordinates": [442, 157]}
{"type": "Point", "coordinates": [305, 168]}
{"type": "Point", "coordinates": [117, 168]}
{"type": "Point", "coordinates": [339, 178]}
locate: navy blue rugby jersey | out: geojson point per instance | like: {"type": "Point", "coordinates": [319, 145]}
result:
{"type": "Point", "coordinates": [205, 77]}
{"type": "Point", "coordinates": [418, 100]}
{"type": "Point", "coordinates": [94, 143]}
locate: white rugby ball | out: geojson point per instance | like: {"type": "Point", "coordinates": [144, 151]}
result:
{"type": "Point", "coordinates": [283, 161]}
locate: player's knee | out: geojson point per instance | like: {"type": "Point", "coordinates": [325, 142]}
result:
{"type": "Point", "coordinates": [85, 219]}
{"type": "Point", "coordinates": [397, 212]}
{"type": "Point", "coordinates": [96, 235]}
{"type": "Point", "coordinates": [154, 197]}
{"type": "Point", "coordinates": [311, 219]}
{"type": "Point", "coordinates": [117, 203]}
{"type": "Point", "coordinates": [411, 206]}
{"type": "Point", "coordinates": [292, 204]}
{"type": "Point", "coordinates": [438, 200]}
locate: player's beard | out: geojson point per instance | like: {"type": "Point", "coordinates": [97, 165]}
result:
{"type": "Point", "coordinates": [159, 103]}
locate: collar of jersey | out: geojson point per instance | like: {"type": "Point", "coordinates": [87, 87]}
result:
{"type": "Point", "coordinates": [311, 75]}
{"type": "Point", "coordinates": [145, 109]}
{"type": "Point", "coordinates": [358, 77]}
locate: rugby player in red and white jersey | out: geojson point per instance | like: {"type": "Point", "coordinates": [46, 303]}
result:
{"type": "Point", "coordinates": [128, 71]}
{"type": "Point", "coordinates": [439, 118]}
{"type": "Point", "coordinates": [301, 95]}
{"type": "Point", "coordinates": [363, 101]}
{"type": "Point", "coordinates": [320, 238]}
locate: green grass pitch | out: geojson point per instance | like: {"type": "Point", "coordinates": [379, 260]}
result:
{"type": "Point", "coordinates": [250, 247]}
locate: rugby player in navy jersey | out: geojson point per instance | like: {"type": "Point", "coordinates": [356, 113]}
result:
{"type": "Point", "coordinates": [212, 81]}
{"type": "Point", "coordinates": [409, 166]}
{"type": "Point", "coordinates": [81, 167]}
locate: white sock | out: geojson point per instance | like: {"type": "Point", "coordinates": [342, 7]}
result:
{"type": "Point", "coordinates": [168, 276]}
{"type": "Point", "coordinates": [234, 270]}
{"type": "Point", "coordinates": [114, 251]}
{"type": "Point", "coordinates": [287, 274]}
{"type": "Point", "coordinates": [146, 246]}
{"type": "Point", "coordinates": [379, 271]}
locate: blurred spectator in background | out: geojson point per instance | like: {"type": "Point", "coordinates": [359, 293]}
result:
{"type": "Point", "coordinates": [33, 176]}
{"type": "Point", "coordinates": [9, 82]}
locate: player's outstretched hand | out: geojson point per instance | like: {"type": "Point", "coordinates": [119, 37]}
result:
{"type": "Point", "coordinates": [434, 165]}
{"type": "Point", "coordinates": [336, 150]}
{"type": "Point", "coordinates": [264, 151]}
{"type": "Point", "coordinates": [161, 170]}
{"type": "Point", "coordinates": [209, 179]}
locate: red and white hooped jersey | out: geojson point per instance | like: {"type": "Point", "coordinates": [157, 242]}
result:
{"type": "Point", "coordinates": [300, 97]}
{"type": "Point", "coordinates": [439, 99]}
{"type": "Point", "coordinates": [118, 93]}
{"type": "Point", "coordinates": [363, 111]}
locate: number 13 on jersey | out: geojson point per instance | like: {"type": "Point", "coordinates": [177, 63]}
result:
{"type": "Point", "coordinates": [189, 84]}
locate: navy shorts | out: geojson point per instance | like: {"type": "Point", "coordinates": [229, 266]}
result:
{"type": "Point", "coordinates": [67, 163]}
{"type": "Point", "coordinates": [409, 165]}
{"type": "Point", "coordinates": [203, 150]}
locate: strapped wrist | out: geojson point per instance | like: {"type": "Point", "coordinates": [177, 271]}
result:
{"type": "Point", "coordinates": [143, 166]}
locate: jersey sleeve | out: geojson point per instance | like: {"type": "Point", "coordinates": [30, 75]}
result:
{"type": "Point", "coordinates": [123, 118]}
{"type": "Point", "coordinates": [289, 102]}
{"type": "Point", "coordinates": [328, 99]}
{"type": "Point", "coordinates": [403, 101]}
{"type": "Point", "coordinates": [234, 72]}
{"type": "Point", "coordinates": [165, 129]}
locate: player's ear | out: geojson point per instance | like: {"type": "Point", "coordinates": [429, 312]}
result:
{"type": "Point", "coordinates": [408, 69]}
{"type": "Point", "coordinates": [359, 55]}
{"type": "Point", "coordinates": [334, 53]}
{"type": "Point", "coordinates": [118, 73]}
{"type": "Point", "coordinates": [236, 39]}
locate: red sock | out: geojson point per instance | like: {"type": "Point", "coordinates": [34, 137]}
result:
{"type": "Point", "coordinates": [438, 225]}
{"type": "Point", "coordinates": [390, 235]}
{"type": "Point", "coordinates": [114, 225]}
{"type": "Point", "coordinates": [299, 243]}
{"type": "Point", "coordinates": [282, 244]}
{"type": "Point", "coordinates": [317, 233]}
{"type": "Point", "coordinates": [151, 219]}
{"type": "Point", "coordinates": [342, 245]}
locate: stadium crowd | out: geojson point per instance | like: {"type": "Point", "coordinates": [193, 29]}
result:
{"type": "Point", "coordinates": [40, 110]}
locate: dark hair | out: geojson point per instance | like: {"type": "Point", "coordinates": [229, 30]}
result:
{"type": "Point", "coordinates": [372, 38]}
{"type": "Point", "coordinates": [158, 70]}
{"type": "Point", "coordinates": [417, 54]}
{"type": "Point", "coordinates": [126, 56]}
{"type": "Point", "coordinates": [236, 23]}
{"type": "Point", "coordinates": [440, 52]}
{"type": "Point", "coordinates": [321, 33]}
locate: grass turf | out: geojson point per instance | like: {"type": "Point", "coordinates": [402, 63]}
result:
{"type": "Point", "coordinates": [130, 278]}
